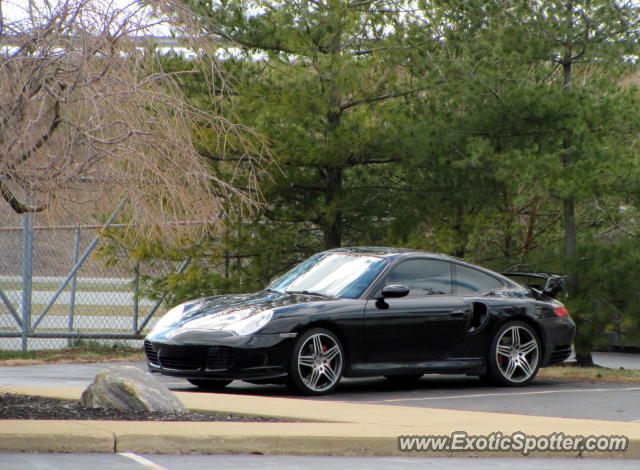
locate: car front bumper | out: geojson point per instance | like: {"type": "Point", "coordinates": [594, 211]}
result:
{"type": "Point", "coordinates": [220, 356]}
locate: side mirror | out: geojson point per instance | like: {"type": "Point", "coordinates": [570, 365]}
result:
{"type": "Point", "coordinates": [394, 290]}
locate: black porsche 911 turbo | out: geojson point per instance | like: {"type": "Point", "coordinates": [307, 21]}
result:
{"type": "Point", "coordinates": [362, 312]}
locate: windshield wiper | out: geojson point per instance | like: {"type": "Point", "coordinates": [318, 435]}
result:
{"type": "Point", "coordinates": [306, 292]}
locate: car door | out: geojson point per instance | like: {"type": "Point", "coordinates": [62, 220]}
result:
{"type": "Point", "coordinates": [423, 326]}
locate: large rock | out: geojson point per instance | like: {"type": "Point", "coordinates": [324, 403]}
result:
{"type": "Point", "coordinates": [128, 388]}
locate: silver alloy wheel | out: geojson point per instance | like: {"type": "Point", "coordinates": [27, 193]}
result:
{"type": "Point", "coordinates": [320, 362]}
{"type": "Point", "coordinates": [517, 352]}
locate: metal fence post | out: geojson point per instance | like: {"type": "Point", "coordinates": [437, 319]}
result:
{"type": "Point", "coordinates": [136, 282]}
{"type": "Point", "coordinates": [109, 310]}
{"type": "Point", "coordinates": [27, 277]}
{"type": "Point", "coordinates": [159, 302]}
{"type": "Point", "coordinates": [72, 300]}
{"type": "Point", "coordinates": [77, 266]}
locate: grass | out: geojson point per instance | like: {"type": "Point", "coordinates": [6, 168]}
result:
{"type": "Point", "coordinates": [125, 286]}
{"type": "Point", "coordinates": [81, 351]}
{"type": "Point", "coordinates": [91, 310]}
{"type": "Point", "coordinates": [590, 374]}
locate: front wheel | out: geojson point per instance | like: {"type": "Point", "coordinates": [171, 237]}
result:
{"type": "Point", "coordinates": [514, 355]}
{"type": "Point", "coordinates": [316, 363]}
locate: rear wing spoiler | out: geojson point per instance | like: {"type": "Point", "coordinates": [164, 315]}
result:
{"type": "Point", "coordinates": [548, 284]}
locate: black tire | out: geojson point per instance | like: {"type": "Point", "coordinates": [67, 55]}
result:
{"type": "Point", "coordinates": [515, 354]}
{"type": "Point", "coordinates": [316, 363]}
{"type": "Point", "coordinates": [208, 384]}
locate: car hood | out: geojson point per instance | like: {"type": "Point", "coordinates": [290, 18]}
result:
{"type": "Point", "coordinates": [214, 313]}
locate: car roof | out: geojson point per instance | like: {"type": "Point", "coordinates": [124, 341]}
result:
{"type": "Point", "coordinates": [393, 253]}
{"type": "Point", "coordinates": [387, 252]}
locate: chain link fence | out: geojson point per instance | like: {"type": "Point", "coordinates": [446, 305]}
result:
{"type": "Point", "coordinates": [55, 290]}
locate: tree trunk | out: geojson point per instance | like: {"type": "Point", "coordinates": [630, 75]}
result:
{"type": "Point", "coordinates": [583, 351]}
{"type": "Point", "coordinates": [584, 359]}
{"type": "Point", "coordinates": [332, 217]}
{"type": "Point", "coordinates": [569, 216]}
{"type": "Point", "coordinates": [568, 205]}
{"type": "Point", "coordinates": [332, 223]}
{"type": "Point", "coordinates": [531, 225]}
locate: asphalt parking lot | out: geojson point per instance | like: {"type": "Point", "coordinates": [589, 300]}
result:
{"type": "Point", "coordinates": [566, 399]}
{"type": "Point", "coordinates": [254, 462]}
{"type": "Point", "coordinates": [553, 398]}
{"type": "Point", "coordinates": [348, 423]}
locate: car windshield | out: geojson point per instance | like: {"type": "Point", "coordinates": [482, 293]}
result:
{"type": "Point", "coordinates": [331, 275]}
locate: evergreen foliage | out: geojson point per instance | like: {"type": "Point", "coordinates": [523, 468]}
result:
{"type": "Point", "coordinates": [501, 132]}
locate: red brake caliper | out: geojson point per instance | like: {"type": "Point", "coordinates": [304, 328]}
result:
{"type": "Point", "coordinates": [324, 349]}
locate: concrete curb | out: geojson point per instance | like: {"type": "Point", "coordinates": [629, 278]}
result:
{"type": "Point", "coordinates": [324, 428]}
{"type": "Point", "coordinates": [50, 436]}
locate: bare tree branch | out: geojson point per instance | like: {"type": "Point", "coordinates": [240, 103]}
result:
{"type": "Point", "coordinates": [82, 99]}
{"type": "Point", "coordinates": [375, 99]}
{"type": "Point", "coordinates": [16, 205]}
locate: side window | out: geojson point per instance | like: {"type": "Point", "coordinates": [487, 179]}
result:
{"type": "Point", "coordinates": [423, 277]}
{"type": "Point", "coordinates": [469, 281]}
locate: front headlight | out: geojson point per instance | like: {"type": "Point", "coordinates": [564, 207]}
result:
{"type": "Point", "coordinates": [251, 324]}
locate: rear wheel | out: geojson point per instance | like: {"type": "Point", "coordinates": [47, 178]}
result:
{"type": "Point", "coordinates": [207, 384]}
{"type": "Point", "coordinates": [316, 363]}
{"type": "Point", "coordinates": [514, 355]}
